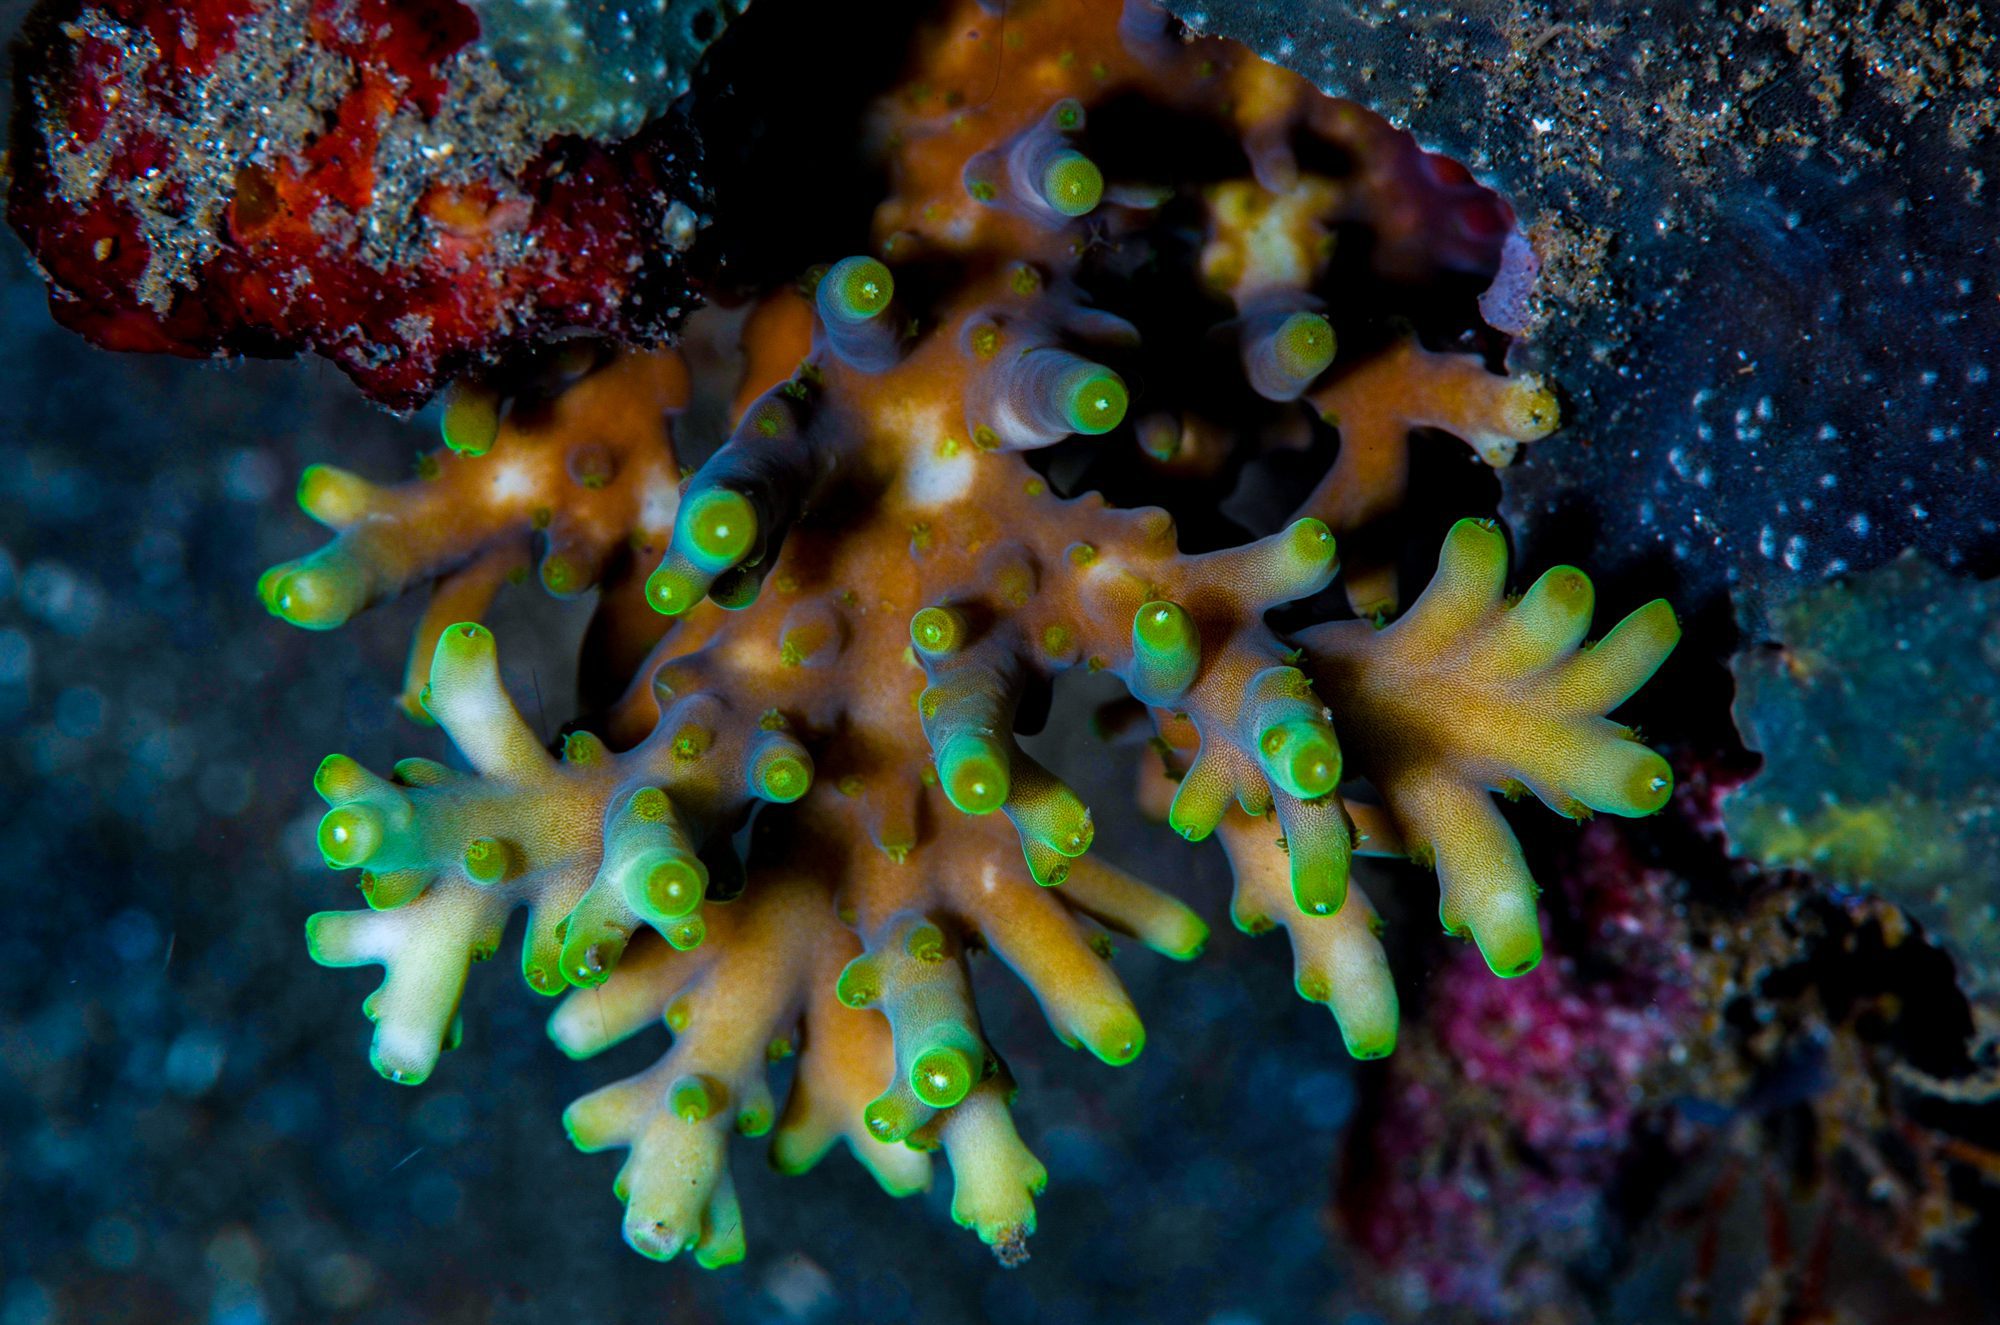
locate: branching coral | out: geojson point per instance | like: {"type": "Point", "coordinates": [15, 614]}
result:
{"type": "Point", "coordinates": [865, 595]}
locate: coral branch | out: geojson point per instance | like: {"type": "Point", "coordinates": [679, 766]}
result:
{"type": "Point", "coordinates": [590, 478]}
{"type": "Point", "coordinates": [1470, 693]}
{"type": "Point", "coordinates": [857, 606]}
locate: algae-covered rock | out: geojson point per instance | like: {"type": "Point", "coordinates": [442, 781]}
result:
{"type": "Point", "coordinates": [1877, 711]}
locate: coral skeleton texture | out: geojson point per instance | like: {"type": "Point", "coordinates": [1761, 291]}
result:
{"type": "Point", "coordinates": [1099, 228]}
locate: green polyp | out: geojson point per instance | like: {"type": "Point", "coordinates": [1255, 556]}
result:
{"type": "Point", "coordinates": [1057, 819]}
{"type": "Point", "coordinates": [860, 983]}
{"type": "Point", "coordinates": [688, 934]}
{"type": "Point", "coordinates": [941, 1076]}
{"type": "Point", "coordinates": [783, 772]}
{"type": "Point", "coordinates": [1509, 935]}
{"type": "Point", "coordinates": [1371, 1043]}
{"type": "Point", "coordinates": [1316, 889]}
{"type": "Point", "coordinates": [339, 777]}
{"type": "Point", "coordinates": [542, 979]}
{"type": "Point", "coordinates": [1311, 545]}
{"type": "Point", "coordinates": [1075, 832]}
{"type": "Point", "coordinates": [1197, 809]}
{"type": "Point", "coordinates": [889, 1117]}
{"type": "Point", "coordinates": [938, 632]}
{"type": "Point", "coordinates": [925, 943]}
{"type": "Point", "coordinates": [650, 804]}
{"type": "Point", "coordinates": [1093, 399]}
{"type": "Point", "coordinates": [679, 1013]}
{"type": "Point", "coordinates": [675, 886]}
{"type": "Point", "coordinates": [486, 860]}
{"type": "Point", "coordinates": [562, 575]}
{"type": "Point", "coordinates": [1167, 649]}
{"type": "Point", "coordinates": [471, 421]}
{"type": "Point", "coordinates": [1472, 541]}
{"type": "Point", "coordinates": [735, 591]}
{"type": "Point", "coordinates": [973, 769]}
{"type": "Point", "coordinates": [1164, 630]}
{"type": "Point", "coordinates": [333, 496]}
{"type": "Point", "coordinates": [693, 1097]}
{"type": "Point", "coordinates": [1569, 587]}
{"type": "Point", "coordinates": [588, 959]}
{"type": "Point", "coordinates": [1072, 183]}
{"type": "Point", "coordinates": [349, 835]}
{"type": "Point", "coordinates": [1048, 867]}
{"type": "Point", "coordinates": [314, 597]}
{"type": "Point", "coordinates": [466, 640]}
{"type": "Point", "coordinates": [855, 289]}
{"type": "Point", "coordinates": [1620, 777]}
{"type": "Point", "coordinates": [1301, 756]}
{"type": "Point", "coordinates": [1649, 784]}
{"type": "Point", "coordinates": [753, 1121]}
{"type": "Point", "coordinates": [717, 527]}
{"type": "Point", "coordinates": [672, 590]}
{"type": "Point", "coordinates": [692, 741]}
{"type": "Point", "coordinates": [1118, 1043]}
{"type": "Point", "coordinates": [319, 942]}
{"type": "Point", "coordinates": [1303, 346]}
{"type": "Point", "coordinates": [391, 888]}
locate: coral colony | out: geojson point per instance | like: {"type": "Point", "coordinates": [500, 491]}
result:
{"type": "Point", "coordinates": [1147, 248]}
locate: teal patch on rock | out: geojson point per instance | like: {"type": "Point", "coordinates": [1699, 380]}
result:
{"type": "Point", "coordinates": [1878, 716]}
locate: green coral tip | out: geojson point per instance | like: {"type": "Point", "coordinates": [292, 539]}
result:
{"type": "Point", "coordinates": [1651, 784]}
{"type": "Point", "coordinates": [1304, 346]}
{"type": "Point", "coordinates": [1163, 627]}
{"type": "Point", "coordinates": [1122, 1045]}
{"type": "Point", "coordinates": [338, 777]}
{"type": "Point", "coordinates": [973, 770]}
{"type": "Point", "coordinates": [859, 984]}
{"type": "Point", "coordinates": [675, 886]}
{"type": "Point", "coordinates": [1072, 184]}
{"type": "Point", "coordinates": [888, 1118]}
{"type": "Point", "coordinates": [937, 632]}
{"type": "Point", "coordinates": [784, 776]}
{"type": "Point", "coordinates": [925, 942]}
{"type": "Point", "coordinates": [718, 526]}
{"type": "Point", "coordinates": [1302, 757]}
{"type": "Point", "coordinates": [466, 639]}
{"type": "Point", "coordinates": [471, 422]}
{"type": "Point", "coordinates": [941, 1076]}
{"type": "Point", "coordinates": [1094, 399]}
{"type": "Point", "coordinates": [672, 590]}
{"type": "Point", "coordinates": [486, 860]}
{"type": "Point", "coordinates": [310, 597]}
{"type": "Point", "coordinates": [693, 1098]}
{"type": "Point", "coordinates": [855, 289]}
{"type": "Point", "coordinates": [349, 835]}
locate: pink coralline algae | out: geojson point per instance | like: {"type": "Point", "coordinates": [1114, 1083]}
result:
{"type": "Point", "coordinates": [1510, 1114]}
